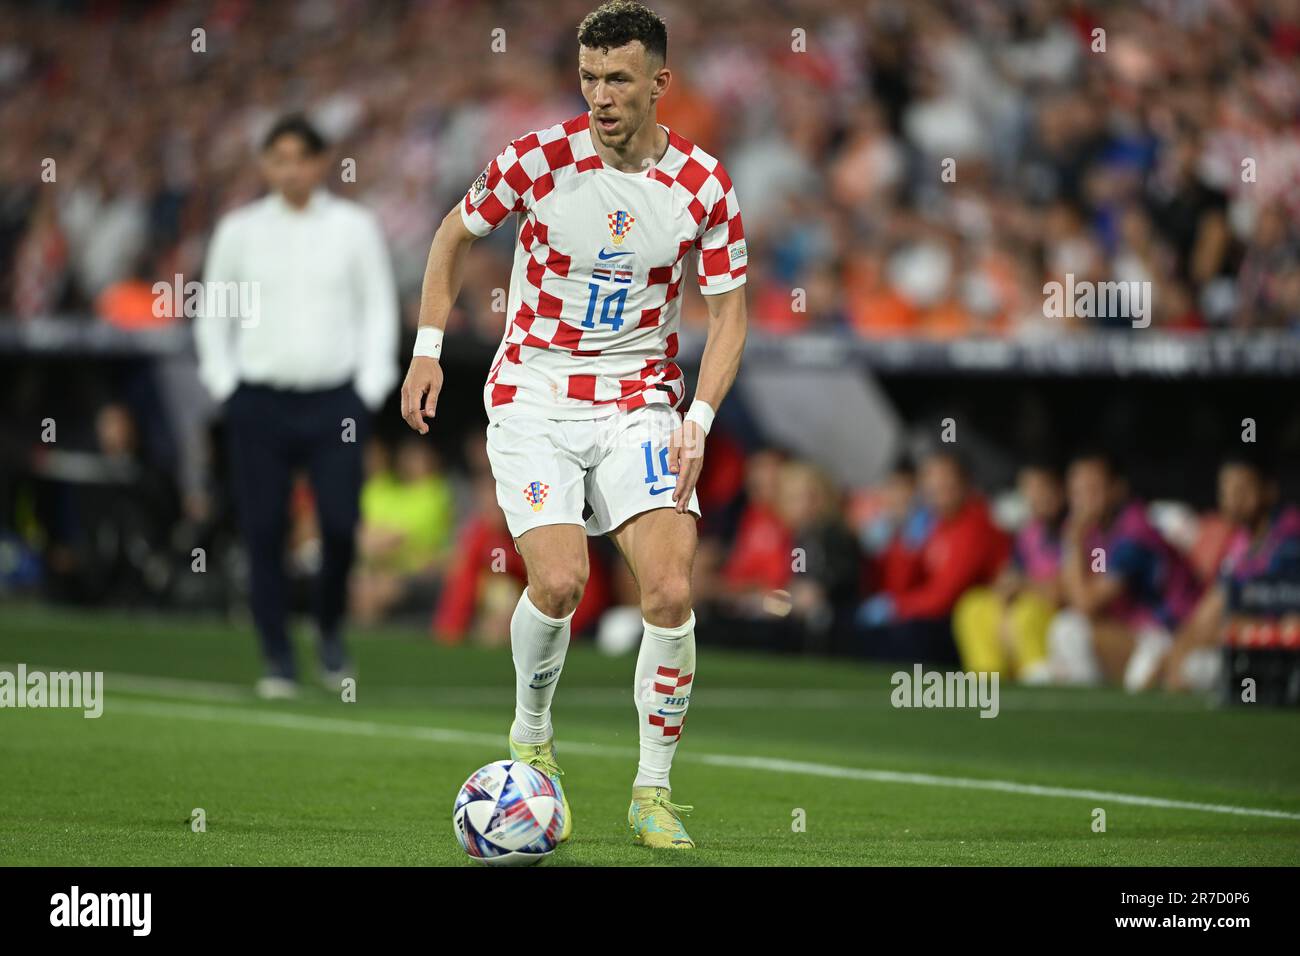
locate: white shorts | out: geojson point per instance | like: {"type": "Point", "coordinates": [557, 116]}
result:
{"type": "Point", "coordinates": [548, 469]}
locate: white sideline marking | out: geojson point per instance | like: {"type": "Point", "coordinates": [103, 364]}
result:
{"type": "Point", "coordinates": [973, 783]}
{"type": "Point", "coordinates": [263, 718]}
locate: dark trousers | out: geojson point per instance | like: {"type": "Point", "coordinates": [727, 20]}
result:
{"type": "Point", "coordinates": [273, 433]}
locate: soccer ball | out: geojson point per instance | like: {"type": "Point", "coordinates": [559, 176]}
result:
{"type": "Point", "coordinates": [508, 814]}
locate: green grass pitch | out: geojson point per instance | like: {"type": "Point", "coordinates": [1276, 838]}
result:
{"type": "Point", "coordinates": [769, 742]}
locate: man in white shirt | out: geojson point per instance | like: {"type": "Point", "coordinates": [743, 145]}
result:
{"type": "Point", "coordinates": [297, 339]}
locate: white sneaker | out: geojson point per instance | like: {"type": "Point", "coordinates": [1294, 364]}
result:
{"type": "Point", "coordinates": [332, 681]}
{"type": "Point", "coordinates": [277, 688]}
{"type": "Point", "coordinates": [1149, 650]}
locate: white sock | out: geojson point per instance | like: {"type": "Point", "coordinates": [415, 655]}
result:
{"type": "Point", "coordinates": [538, 644]}
{"type": "Point", "coordinates": [665, 675]}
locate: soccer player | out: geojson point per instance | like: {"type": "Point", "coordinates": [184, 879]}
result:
{"type": "Point", "coordinates": [583, 397]}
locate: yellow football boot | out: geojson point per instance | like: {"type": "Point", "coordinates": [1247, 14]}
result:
{"type": "Point", "coordinates": [656, 821]}
{"type": "Point", "coordinates": [542, 757]}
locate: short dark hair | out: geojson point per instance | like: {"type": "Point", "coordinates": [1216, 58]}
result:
{"type": "Point", "coordinates": [295, 124]}
{"type": "Point", "coordinates": [619, 22]}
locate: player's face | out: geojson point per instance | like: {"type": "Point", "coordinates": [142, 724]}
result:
{"type": "Point", "coordinates": [620, 86]}
{"type": "Point", "coordinates": [291, 170]}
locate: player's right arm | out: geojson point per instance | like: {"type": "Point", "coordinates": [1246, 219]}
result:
{"type": "Point", "coordinates": [442, 278]}
{"type": "Point", "coordinates": [491, 199]}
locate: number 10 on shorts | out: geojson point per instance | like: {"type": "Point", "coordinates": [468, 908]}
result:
{"type": "Point", "coordinates": [650, 476]}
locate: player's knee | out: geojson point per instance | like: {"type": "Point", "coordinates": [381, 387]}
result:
{"type": "Point", "coordinates": [666, 599]}
{"type": "Point", "coordinates": [556, 591]}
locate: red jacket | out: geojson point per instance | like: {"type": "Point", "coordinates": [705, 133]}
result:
{"type": "Point", "coordinates": [962, 551]}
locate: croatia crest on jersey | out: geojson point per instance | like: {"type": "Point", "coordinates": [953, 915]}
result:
{"type": "Point", "coordinates": [620, 224]}
{"type": "Point", "coordinates": [535, 494]}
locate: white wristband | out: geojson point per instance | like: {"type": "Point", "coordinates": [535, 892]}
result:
{"type": "Point", "coordinates": [702, 414]}
{"type": "Point", "coordinates": [428, 342]}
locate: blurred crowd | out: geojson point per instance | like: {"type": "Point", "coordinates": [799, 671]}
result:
{"type": "Point", "coordinates": [904, 168]}
{"type": "Point", "coordinates": [1065, 577]}
{"type": "Point", "coordinates": [918, 168]}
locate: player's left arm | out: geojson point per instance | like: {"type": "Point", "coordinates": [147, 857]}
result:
{"type": "Point", "coordinates": [728, 321]}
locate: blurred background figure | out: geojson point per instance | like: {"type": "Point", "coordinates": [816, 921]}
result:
{"type": "Point", "coordinates": [299, 366]}
{"type": "Point", "coordinates": [1263, 546]}
{"type": "Point", "coordinates": [404, 542]}
{"type": "Point", "coordinates": [823, 557]}
{"type": "Point", "coordinates": [894, 537]}
{"type": "Point", "coordinates": [1126, 589]}
{"type": "Point", "coordinates": [961, 548]}
{"type": "Point", "coordinates": [1004, 627]}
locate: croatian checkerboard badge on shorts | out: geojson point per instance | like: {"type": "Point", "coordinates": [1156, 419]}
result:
{"type": "Point", "coordinates": [535, 494]}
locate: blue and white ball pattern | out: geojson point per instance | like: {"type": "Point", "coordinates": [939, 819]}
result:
{"type": "Point", "coordinates": [508, 814]}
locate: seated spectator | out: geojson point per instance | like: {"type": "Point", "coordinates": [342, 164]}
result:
{"type": "Point", "coordinates": [1126, 589]}
{"type": "Point", "coordinates": [108, 512]}
{"type": "Point", "coordinates": [407, 517]}
{"type": "Point", "coordinates": [823, 553]}
{"type": "Point", "coordinates": [793, 569]}
{"type": "Point", "coordinates": [895, 536]}
{"type": "Point", "coordinates": [759, 561]}
{"type": "Point", "coordinates": [1003, 628]}
{"type": "Point", "coordinates": [1265, 543]}
{"type": "Point", "coordinates": [964, 548]}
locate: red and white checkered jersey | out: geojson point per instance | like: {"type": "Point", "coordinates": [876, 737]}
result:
{"type": "Point", "coordinates": [595, 293]}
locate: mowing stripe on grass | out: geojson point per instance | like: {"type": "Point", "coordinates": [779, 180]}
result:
{"type": "Point", "coordinates": [263, 718]}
